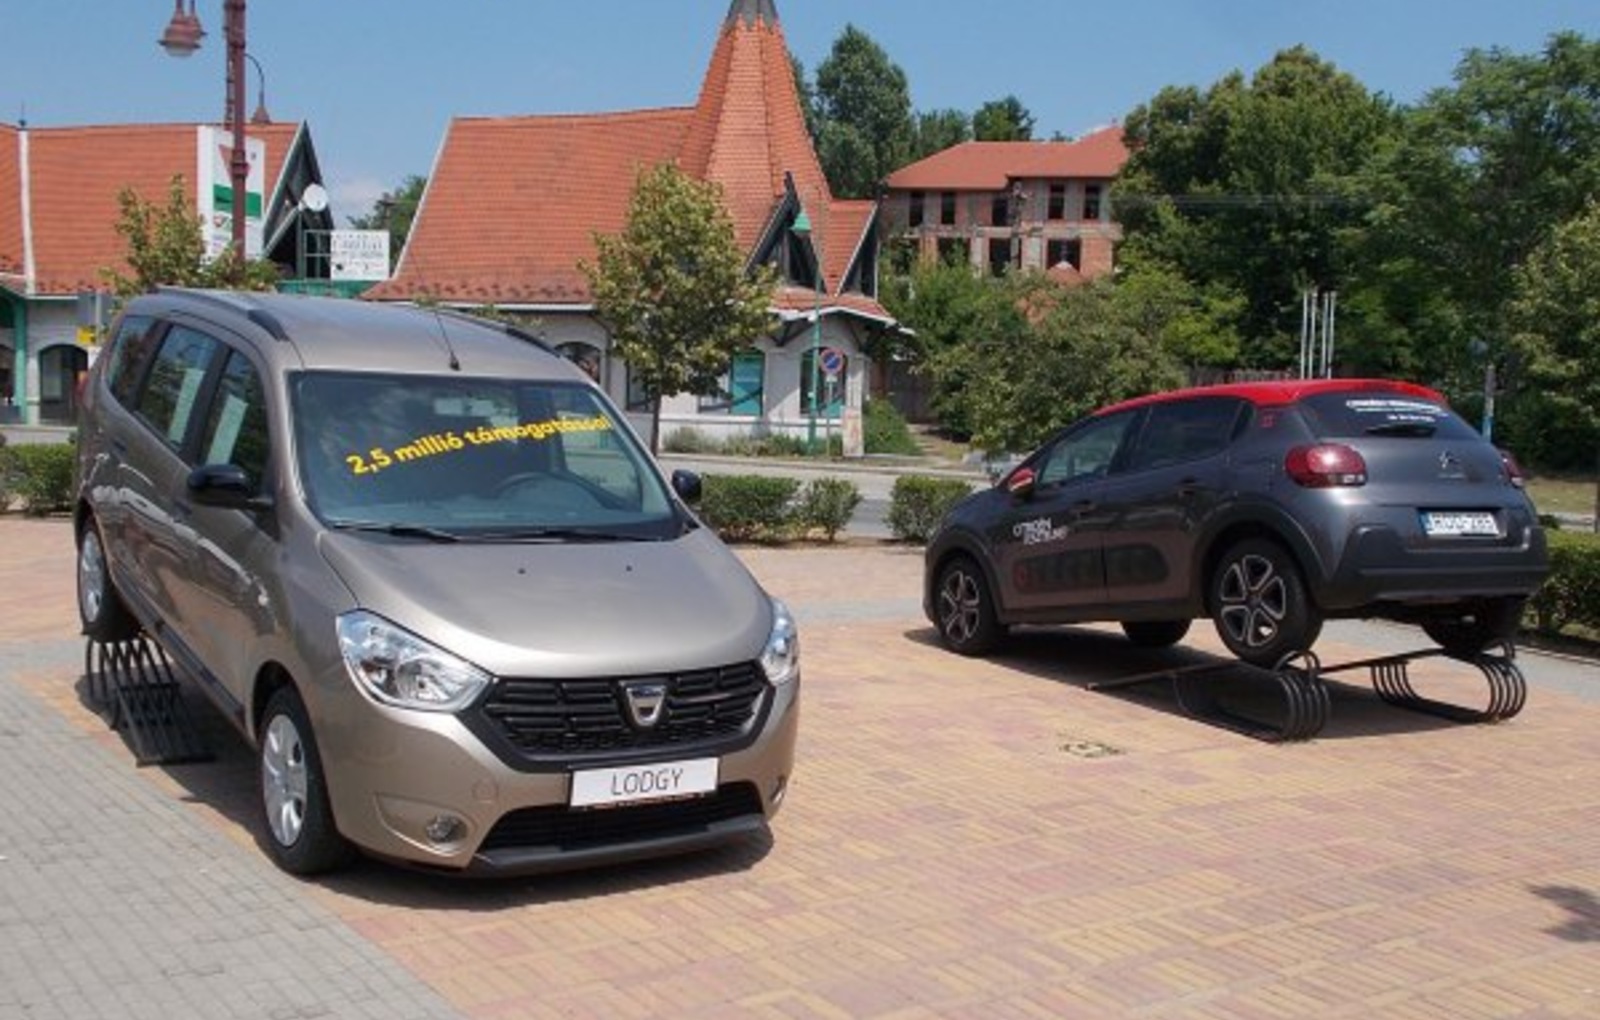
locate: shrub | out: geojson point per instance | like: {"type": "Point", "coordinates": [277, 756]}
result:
{"type": "Point", "coordinates": [1571, 595]}
{"type": "Point", "coordinates": [689, 440]}
{"type": "Point", "coordinates": [42, 476]}
{"type": "Point", "coordinates": [826, 505]}
{"type": "Point", "coordinates": [6, 480]}
{"type": "Point", "coordinates": [918, 503]}
{"type": "Point", "coordinates": [749, 507]}
{"type": "Point", "coordinates": [884, 430]}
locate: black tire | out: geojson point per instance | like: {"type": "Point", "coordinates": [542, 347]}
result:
{"type": "Point", "coordinates": [1486, 624]}
{"type": "Point", "coordinates": [102, 612]}
{"type": "Point", "coordinates": [1260, 605]}
{"type": "Point", "coordinates": [964, 608]}
{"type": "Point", "coordinates": [301, 833]}
{"type": "Point", "coordinates": [1155, 633]}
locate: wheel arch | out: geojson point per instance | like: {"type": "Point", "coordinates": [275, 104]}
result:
{"type": "Point", "coordinates": [270, 679]}
{"type": "Point", "coordinates": [959, 544]}
{"type": "Point", "coordinates": [1280, 529]}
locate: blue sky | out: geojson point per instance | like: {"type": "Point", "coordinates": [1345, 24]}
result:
{"type": "Point", "coordinates": [379, 80]}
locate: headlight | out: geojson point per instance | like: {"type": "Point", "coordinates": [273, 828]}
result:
{"type": "Point", "coordinates": [398, 668]}
{"type": "Point", "coordinates": [781, 658]}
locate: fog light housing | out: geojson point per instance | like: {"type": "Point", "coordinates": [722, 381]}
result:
{"type": "Point", "coordinates": [444, 829]}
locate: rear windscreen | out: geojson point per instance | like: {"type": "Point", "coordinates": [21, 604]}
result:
{"type": "Point", "coordinates": [1369, 413]}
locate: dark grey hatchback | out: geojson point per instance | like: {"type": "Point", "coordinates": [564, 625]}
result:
{"type": "Point", "coordinates": [1268, 507]}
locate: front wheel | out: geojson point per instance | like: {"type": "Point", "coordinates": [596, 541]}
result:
{"type": "Point", "coordinates": [100, 608]}
{"type": "Point", "coordinates": [965, 609]}
{"type": "Point", "coordinates": [1260, 605]}
{"type": "Point", "coordinates": [294, 798]}
{"type": "Point", "coordinates": [1486, 624]}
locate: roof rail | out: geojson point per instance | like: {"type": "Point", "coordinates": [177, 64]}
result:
{"type": "Point", "coordinates": [235, 301]}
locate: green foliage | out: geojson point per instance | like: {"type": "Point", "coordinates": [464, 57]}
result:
{"type": "Point", "coordinates": [863, 109]}
{"type": "Point", "coordinates": [884, 430]}
{"type": "Point", "coordinates": [917, 504]}
{"type": "Point", "coordinates": [1571, 595]}
{"type": "Point", "coordinates": [1003, 120]}
{"type": "Point", "coordinates": [688, 439]}
{"type": "Point", "coordinates": [166, 247]}
{"type": "Point", "coordinates": [937, 130]}
{"type": "Point", "coordinates": [42, 475]}
{"type": "Point", "coordinates": [395, 211]}
{"type": "Point", "coordinates": [749, 508]}
{"type": "Point", "coordinates": [826, 505]}
{"type": "Point", "coordinates": [1555, 323]}
{"type": "Point", "coordinates": [7, 475]}
{"type": "Point", "coordinates": [672, 288]}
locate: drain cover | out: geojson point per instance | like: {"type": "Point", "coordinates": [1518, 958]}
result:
{"type": "Point", "coordinates": [1080, 748]}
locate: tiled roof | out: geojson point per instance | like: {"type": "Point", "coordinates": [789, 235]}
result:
{"type": "Point", "coordinates": [513, 203]}
{"type": "Point", "coordinates": [991, 166]}
{"type": "Point", "coordinates": [75, 175]}
{"type": "Point", "coordinates": [10, 202]}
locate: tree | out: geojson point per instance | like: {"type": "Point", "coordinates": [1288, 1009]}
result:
{"type": "Point", "coordinates": [1003, 120]}
{"type": "Point", "coordinates": [937, 130]}
{"type": "Point", "coordinates": [166, 247]}
{"type": "Point", "coordinates": [672, 288]}
{"type": "Point", "coordinates": [864, 109]}
{"type": "Point", "coordinates": [395, 211]}
{"type": "Point", "coordinates": [1252, 188]}
{"type": "Point", "coordinates": [1554, 319]}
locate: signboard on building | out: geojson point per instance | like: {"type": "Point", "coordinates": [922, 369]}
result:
{"type": "Point", "coordinates": [214, 191]}
{"type": "Point", "coordinates": [359, 255]}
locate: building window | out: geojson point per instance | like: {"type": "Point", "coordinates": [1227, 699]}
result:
{"type": "Point", "coordinates": [999, 255]}
{"type": "Point", "coordinates": [583, 355]}
{"type": "Point", "coordinates": [638, 398]}
{"type": "Point", "coordinates": [814, 374]}
{"type": "Point", "coordinates": [1065, 250]}
{"type": "Point", "coordinates": [1091, 202]}
{"type": "Point", "coordinates": [740, 390]}
{"type": "Point", "coordinates": [1058, 202]}
{"type": "Point", "coordinates": [1000, 211]}
{"type": "Point", "coordinates": [917, 200]}
{"type": "Point", "coordinates": [947, 208]}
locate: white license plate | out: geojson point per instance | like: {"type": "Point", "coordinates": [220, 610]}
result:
{"type": "Point", "coordinates": [1459, 523]}
{"type": "Point", "coordinates": [634, 784]}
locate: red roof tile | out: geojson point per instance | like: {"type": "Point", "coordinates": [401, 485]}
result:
{"type": "Point", "coordinates": [991, 166]}
{"type": "Point", "coordinates": [10, 202]}
{"type": "Point", "coordinates": [75, 175]}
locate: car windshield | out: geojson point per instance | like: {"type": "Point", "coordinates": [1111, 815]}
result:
{"type": "Point", "coordinates": [448, 458]}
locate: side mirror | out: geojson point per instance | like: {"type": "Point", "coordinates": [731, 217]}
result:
{"type": "Point", "coordinates": [227, 486]}
{"type": "Point", "coordinates": [687, 485]}
{"type": "Point", "coordinates": [1020, 482]}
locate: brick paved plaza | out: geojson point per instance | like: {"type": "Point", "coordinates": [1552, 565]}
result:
{"type": "Point", "coordinates": [983, 839]}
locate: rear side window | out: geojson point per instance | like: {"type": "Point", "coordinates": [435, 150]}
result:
{"type": "Point", "coordinates": [1375, 413]}
{"type": "Point", "coordinates": [1187, 430]}
{"type": "Point", "coordinates": [129, 353]}
{"type": "Point", "coordinates": [168, 399]}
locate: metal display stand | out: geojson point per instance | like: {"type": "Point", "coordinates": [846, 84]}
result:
{"type": "Point", "coordinates": [134, 684]}
{"type": "Point", "coordinates": [1307, 703]}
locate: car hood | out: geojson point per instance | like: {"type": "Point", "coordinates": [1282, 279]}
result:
{"type": "Point", "coordinates": [563, 610]}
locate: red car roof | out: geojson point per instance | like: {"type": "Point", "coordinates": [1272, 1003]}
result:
{"type": "Point", "coordinates": [1283, 392]}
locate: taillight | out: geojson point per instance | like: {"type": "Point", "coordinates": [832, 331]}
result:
{"type": "Point", "coordinates": [1326, 466]}
{"type": "Point", "coordinates": [1513, 469]}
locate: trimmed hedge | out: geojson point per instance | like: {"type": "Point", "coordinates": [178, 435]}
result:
{"type": "Point", "coordinates": [918, 503]}
{"type": "Point", "coordinates": [758, 508]}
{"type": "Point", "coordinates": [40, 475]}
{"type": "Point", "coordinates": [1571, 595]}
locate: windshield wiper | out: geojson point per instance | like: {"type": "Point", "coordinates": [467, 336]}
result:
{"type": "Point", "coordinates": [553, 535]}
{"type": "Point", "coordinates": [399, 530]}
{"type": "Point", "coordinates": [1403, 428]}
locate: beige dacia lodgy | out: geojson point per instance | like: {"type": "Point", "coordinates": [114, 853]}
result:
{"type": "Point", "coordinates": [426, 568]}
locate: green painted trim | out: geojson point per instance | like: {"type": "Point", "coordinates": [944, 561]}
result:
{"type": "Point", "coordinates": [19, 354]}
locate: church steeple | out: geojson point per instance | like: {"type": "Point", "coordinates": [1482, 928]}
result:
{"type": "Point", "coordinates": [751, 11]}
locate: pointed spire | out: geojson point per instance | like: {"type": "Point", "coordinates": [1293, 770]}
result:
{"type": "Point", "coordinates": [751, 11]}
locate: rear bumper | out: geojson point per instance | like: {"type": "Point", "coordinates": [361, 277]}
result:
{"type": "Point", "coordinates": [1379, 567]}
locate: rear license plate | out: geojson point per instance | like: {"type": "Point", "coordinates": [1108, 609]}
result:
{"type": "Point", "coordinates": [1451, 524]}
{"type": "Point", "coordinates": [635, 784]}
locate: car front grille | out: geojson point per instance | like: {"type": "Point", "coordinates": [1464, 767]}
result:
{"type": "Point", "coordinates": [557, 721]}
{"type": "Point", "coordinates": [561, 828]}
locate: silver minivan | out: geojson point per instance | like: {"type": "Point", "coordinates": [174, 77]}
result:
{"type": "Point", "coordinates": [427, 569]}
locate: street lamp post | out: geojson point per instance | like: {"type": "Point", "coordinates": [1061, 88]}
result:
{"type": "Point", "coordinates": [802, 230]}
{"type": "Point", "coordinates": [181, 39]}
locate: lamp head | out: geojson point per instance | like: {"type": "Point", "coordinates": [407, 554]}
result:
{"type": "Point", "coordinates": [183, 33]}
